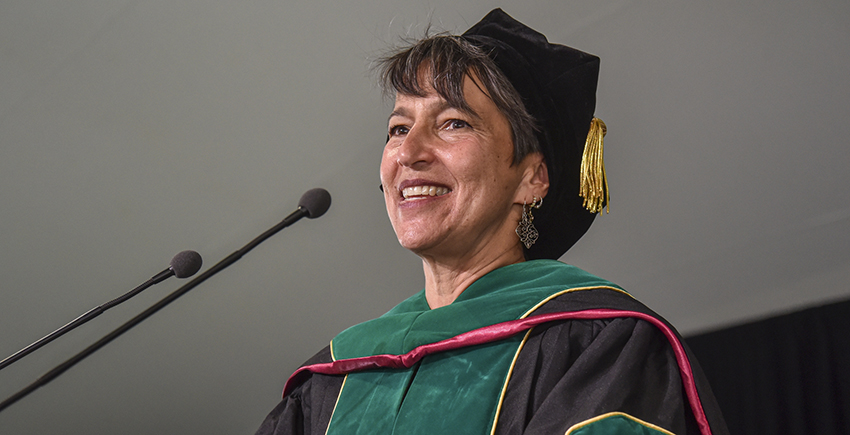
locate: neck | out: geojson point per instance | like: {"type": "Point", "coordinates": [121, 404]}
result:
{"type": "Point", "coordinates": [445, 279]}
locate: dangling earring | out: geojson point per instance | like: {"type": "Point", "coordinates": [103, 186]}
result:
{"type": "Point", "coordinates": [525, 230]}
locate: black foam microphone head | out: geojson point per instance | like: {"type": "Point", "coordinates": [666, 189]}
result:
{"type": "Point", "coordinates": [316, 202]}
{"type": "Point", "coordinates": [186, 264]}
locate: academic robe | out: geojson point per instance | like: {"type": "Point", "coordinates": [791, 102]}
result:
{"type": "Point", "coordinates": [539, 347]}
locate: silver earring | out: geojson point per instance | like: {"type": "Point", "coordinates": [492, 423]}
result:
{"type": "Point", "coordinates": [525, 230]}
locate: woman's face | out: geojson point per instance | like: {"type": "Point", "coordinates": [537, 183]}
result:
{"type": "Point", "coordinates": [447, 177]}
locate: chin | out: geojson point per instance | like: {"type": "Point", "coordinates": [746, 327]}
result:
{"type": "Point", "coordinates": [416, 244]}
{"type": "Point", "coordinates": [413, 233]}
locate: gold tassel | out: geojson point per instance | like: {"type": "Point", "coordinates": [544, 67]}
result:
{"type": "Point", "coordinates": [593, 186]}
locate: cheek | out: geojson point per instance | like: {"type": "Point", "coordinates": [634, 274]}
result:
{"type": "Point", "coordinates": [487, 170]}
{"type": "Point", "coordinates": [387, 166]}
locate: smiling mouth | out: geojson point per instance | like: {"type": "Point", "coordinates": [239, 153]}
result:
{"type": "Point", "coordinates": [423, 191]}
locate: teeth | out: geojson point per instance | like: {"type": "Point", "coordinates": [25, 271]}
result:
{"type": "Point", "coordinates": [424, 191]}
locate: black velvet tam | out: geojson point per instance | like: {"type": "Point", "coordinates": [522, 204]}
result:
{"type": "Point", "coordinates": [558, 86]}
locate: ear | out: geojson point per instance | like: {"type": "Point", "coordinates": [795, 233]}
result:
{"type": "Point", "coordinates": [535, 179]}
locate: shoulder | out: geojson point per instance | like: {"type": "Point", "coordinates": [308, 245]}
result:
{"type": "Point", "coordinates": [605, 354]}
{"type": "Point", "coordinates": [308, 406]}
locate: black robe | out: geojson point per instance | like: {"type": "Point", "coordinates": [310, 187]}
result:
{"type": "Point", "coordinates": [569, 371]}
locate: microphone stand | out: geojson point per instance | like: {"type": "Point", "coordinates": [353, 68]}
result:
{"type": "Point", "coordinates": [293, 217]}
{"type": "Point", "coordinates": [83, 318]}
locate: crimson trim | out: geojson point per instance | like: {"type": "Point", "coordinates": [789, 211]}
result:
{"type": "Point", "coordinates": [504, 330]}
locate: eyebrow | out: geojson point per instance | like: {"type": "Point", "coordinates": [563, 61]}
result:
{"type": "Point", "coordinates": [401, 111]}
{"type": "Point", "coordinates": [441, 107]}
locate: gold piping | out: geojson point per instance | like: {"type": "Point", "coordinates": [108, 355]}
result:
{"type": "Point", "coordinates": [612, 414]}
{"type": "Point", "coordinates": [335, 404]}
{"type": "Point", "coordinates": [507, 379]}
{"type": "Point", "coordinates": [532, 309]}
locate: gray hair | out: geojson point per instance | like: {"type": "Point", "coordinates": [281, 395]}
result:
{"type": "Point", "coordinates": [449, 59]}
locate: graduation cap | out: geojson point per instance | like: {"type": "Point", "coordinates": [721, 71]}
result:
{"type": "Point", "coordinates": [558, 87]}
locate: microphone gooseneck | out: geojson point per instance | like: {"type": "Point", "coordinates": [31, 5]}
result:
{"type": "Point", "coordinates": [183, 265]}
{"type": "Point", "coordinates": [314, 203]}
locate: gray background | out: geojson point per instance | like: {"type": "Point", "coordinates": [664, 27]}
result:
{"type": "Point", "coordinates": [131, 130]}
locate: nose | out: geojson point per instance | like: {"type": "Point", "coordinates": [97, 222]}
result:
{"type": "Point", "coordinates": [416, 149]}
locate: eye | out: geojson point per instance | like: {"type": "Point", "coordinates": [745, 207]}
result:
{"type": "Point", "coordinates": [454, 124]}
{"type": "Point", "coordinates": [397, 130]}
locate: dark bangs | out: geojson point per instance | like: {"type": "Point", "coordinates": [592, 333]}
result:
{"type": "Point", "coordinates": [444, 61]}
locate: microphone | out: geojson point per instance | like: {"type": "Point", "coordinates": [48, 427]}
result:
{"type": "Point", "coordinates": [183, 265]}
{"type": "Point", "coordinates": [314, 203]}
{"type": "Point", "coordinates": [186, 264]}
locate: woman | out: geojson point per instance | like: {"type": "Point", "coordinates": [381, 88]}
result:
{"type": "Point", "coordinates": [485, 127]}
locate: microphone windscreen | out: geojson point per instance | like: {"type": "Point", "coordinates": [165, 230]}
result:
{"type": "Point", "coordinates": [186, 264]}
{"type": "Point", "coordinates": [316, 202]}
